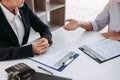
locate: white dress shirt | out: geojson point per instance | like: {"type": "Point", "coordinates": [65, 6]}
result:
{"type": "Point", "coordinates": [109, 16]}
{"type": "Point", "coordinates": [15, 22]}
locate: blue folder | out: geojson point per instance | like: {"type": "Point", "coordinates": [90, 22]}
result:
{"type": "Point", "coordinates": [62, 63]}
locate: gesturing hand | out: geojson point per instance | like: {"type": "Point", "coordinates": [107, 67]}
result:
{"type": "Point", "coordinates": [72, 24]}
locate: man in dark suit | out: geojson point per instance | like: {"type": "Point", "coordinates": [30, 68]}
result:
{"type": "Point", "coordinates": [16, 19]}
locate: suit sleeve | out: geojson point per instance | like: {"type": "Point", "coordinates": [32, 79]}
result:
{"type": "Point", "coordinates": [39, 26]}
{"type": "Point", "coordinates": [15, 52]}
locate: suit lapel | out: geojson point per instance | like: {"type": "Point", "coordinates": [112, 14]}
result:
{"type": "Point", "coordinates": [5, 26]}
{"type": "Point", "coordinates": [26, 25]}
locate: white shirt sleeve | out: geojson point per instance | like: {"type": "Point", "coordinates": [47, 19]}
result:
{"type": "Point", "coordinates": [102, 19]}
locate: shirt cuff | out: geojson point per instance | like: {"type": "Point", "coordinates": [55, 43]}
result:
{"type": "Point", "coordinates": [95, 27]}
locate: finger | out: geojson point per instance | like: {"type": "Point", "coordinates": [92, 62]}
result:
{"type": "Point", "coordinates": [43, 43]}
{"type": "Point", "coordinates": [40, 45]}
{"type": "Point", "coordinates": [105, 34]}
{"type": "Point", "coordinates": [41, 40]}
{"type": "Point", "coordinates": [43, 50]}
{"type": "Point", "coordinates": [68, 20]}
{"type": "Point", "coordinates": [66, 27]}
{"type": "Point", "coordinates": [37, 53]}
{"type": "Point", "coordinates": [40, 50]}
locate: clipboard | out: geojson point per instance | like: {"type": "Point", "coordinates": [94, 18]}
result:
{"type": "Point", "coordinates": [102, 50]}
{"type": "Point", "coordinates": [91, 55]}
{"type": "Point", "coordinates": [66, 57]}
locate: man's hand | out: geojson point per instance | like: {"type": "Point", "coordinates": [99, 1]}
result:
{"type": "Point", "coordinates": [72, 24]}
{"type": "Point", "coordinates": [41, 46]}
{"type": "Point", "coordinates": [112, 35]}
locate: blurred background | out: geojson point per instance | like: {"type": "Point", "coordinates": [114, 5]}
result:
{"type": "Point", "coordinates": [84, 10]}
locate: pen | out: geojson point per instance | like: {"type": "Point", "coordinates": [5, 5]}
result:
{"type": "Point", "coordinates": [45, 70]}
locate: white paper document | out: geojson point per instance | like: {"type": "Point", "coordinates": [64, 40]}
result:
{"type": "Point", "coordinates": [103, 49]}
{"type": "Point", "coordinates": [55, 58]}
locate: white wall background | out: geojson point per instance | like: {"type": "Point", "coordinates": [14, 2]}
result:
{"type": "Point", "coordinates": [84, 10]}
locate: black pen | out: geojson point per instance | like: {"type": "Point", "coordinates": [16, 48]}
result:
{"type": "Point", "coordinates": [45, 70]}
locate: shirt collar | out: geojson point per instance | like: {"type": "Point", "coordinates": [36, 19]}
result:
{"type": "Point", "coordinates": [8, 14]}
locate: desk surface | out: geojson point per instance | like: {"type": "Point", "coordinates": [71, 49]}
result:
{"type": "Point", "coordinates": [84, 67]}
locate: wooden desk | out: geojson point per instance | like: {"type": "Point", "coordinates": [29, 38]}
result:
{"type": "Point", "coordinates": [83, 68]}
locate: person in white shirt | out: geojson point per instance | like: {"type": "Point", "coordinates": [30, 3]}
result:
{"type": "Point", "coordinates": [109, 16]}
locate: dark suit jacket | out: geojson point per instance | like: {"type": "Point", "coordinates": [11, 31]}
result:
{"type": "Point", "coordinates": [9, 46]}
